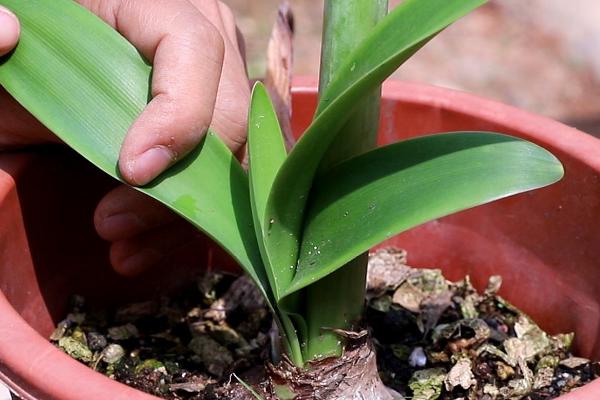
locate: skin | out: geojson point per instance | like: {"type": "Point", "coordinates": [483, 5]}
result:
{"type": "Point", "coordinates": [199, 81]}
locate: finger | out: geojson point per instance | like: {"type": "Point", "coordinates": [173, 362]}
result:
{"type": "Point", "coordinates": [131, 257]}
{"type": "Point", "coordinates": [231, 108]}
{"type": "Point", "coordinates": [9, 30]}
{"type": "Point", "coordinates": [124, 213]}
{"type": "Point", "coordinates": [187, 54]}
{"type": "Point", "coordinates": [229, 25]}
{"type": "Point", "coordinates": [242, 47]}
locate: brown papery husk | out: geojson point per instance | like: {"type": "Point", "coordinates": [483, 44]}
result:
{"type": "Point", "coordinates": [353, 376]}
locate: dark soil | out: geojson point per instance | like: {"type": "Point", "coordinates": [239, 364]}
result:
{"type": "Point", "coordinates": [183, 347]}
{"type": "Point", "coordinates": [437, 339]}
{"type": "Point", "coordinates": [434, 339]}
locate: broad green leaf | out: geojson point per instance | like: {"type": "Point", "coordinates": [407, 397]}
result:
{"type": "Point", "coordinates": [398, 36]}
{"type": "Point", "coordinates": [267, 152]}
{"type": "Point", "coordinates": [87, 84]}
{"type": "Point", "coordinates": [372, 197]}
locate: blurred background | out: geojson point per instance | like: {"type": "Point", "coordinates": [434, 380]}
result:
{"type": "Point", "coordinates": [540, 55]}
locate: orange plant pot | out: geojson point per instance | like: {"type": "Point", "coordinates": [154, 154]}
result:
{"type": "Point", "coordinates": [545, 244]}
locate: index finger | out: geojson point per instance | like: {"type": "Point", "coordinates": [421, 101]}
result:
{"type": "Point", "coordinates": [187, 54]}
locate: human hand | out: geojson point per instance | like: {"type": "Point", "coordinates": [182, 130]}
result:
{"type": "Point", "coordinates": [199, 80]}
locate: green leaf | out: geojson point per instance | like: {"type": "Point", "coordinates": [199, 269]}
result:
{"type": "Point", "coordinates": [248, 387]}
{"type": "Point", "coordinates": [372, 197]}
{"type": "Point", "coordinates": [267, 153]}
{"type": "Point", "coordinates": [87, 84]}
{"type": "Point", "coordinates": [398, 36]}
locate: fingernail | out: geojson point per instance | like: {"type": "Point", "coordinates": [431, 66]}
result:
{"type": "Point", "coordinates": [140, 261]}
{"type": "Point", "coordinates": [9, 30]}
{"type": "Point", "coordinates": [149, 164]}
{"type": "Point", "coordinates": [120, 223]}
{"type": "Point", "coordinates": [6, 11]}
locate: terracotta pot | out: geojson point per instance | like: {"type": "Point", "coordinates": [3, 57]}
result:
{"type": "Point", "coordinates": [545, 244]}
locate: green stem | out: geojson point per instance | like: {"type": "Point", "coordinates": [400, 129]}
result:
{"type": "Point", "coordinates": [337, 300]}
{"type": "Point", "coordinates": [291, 340]}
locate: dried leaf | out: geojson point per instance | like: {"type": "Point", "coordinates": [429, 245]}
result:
{"type": "Point", "coordinates": [150, 365]}
{"type": "Point", "coordinates": [190, 387]}
{"type": "Point", "coordinates": [220, 332]}
{"type": "Point", "coordinates": [278, 80]}
{"type": "Point", "coordinates": [574, 362]}
{"type": "Point", "coordinates": [467, 298]}
{"type": "Point", "coordinates": [468, 307]}
{"type": "Point", "coordinates": [60, 330]}
{"type": "Point", "coordinates": [429, 281]}
{"type": "Point", "coordinates": [75, 349]}
{"type": "Point", "coordinates": [493, 286]}
{"type": "Point", "coordinates": [387, 270]}
{"type": "Point", "coordinates": [563, 341]}
{"type": "Point", "coordinates": [549, 361]}
{"type": "Point", "coordinates": [488, 348]}
{"type": "Point", "coordinates": [242, 293]}
{"type": "Point", "coordinates": [504, 371]}
{"type": "Point", "coordinates": [409, 297]}
{"type": "Point", "coordinates": [491, 390]}
{"type": "Point", "coordinates": [348, 334]}
{"type": "Point", "coordinates": [432, 308]}
{"type": "Point", "coordinates": [427, 383]}
{"type": "Point", "coordinates": [516, 389]}
{"type": "Point", "coordinates": [543, 378]}
{"type": "Point", "coordinates": [479, 327]}
{"type": "Point", "coordinates": [460, 375]}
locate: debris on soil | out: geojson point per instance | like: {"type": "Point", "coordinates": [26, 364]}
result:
{"type": "Point", "coordinates": [434, 339]}
{"type": "Point", "coordinates": [437, 339]}
{"type": "Point", "coordinates": [184, 347]}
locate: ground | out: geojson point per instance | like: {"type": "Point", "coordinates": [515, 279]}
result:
{"type": "Point", "coordinates": [540, 56]}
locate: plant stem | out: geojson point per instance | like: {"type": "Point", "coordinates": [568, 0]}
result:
{"type": "Point", "coordinates": [346, 23]}
{"type": "Point", "coordinates": [337, 301]}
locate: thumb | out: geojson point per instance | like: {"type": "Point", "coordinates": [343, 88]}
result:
{"type": "Point", "coordinates": [9, 30]}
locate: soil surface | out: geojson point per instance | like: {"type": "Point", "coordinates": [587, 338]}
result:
{"type": "Point", "coordinates": [437, 339]}
{"type": "Point", "coordinates": [434, 339]}
{"type": "Point", "coordinates": [183, 347]}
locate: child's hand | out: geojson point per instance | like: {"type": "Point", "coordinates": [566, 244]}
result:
{"type": "Point", "coordinates": [199, 80]}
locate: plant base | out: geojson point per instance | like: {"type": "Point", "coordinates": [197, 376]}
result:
{"type": "Point", "coordinates": [353, 376]}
